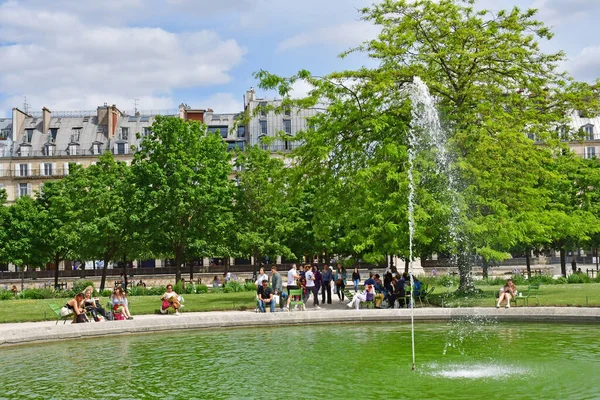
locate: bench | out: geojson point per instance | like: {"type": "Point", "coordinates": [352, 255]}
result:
{"type": "Point", "coordinates": [56, 308]}
{"type": "Point", "coordinates": [365, 304]}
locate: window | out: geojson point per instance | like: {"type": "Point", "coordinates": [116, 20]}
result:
{"type": "Point", "coordinates": [120, 148]}
{"type": "Point", "coordinates": [287, 145]}
{"type": "Point", "coordinates": [145, 118]}
{"type": "Point", "coordinates": [23, 169]}
{"type": "Point", "coordinates": [124, 133]}
{"type": "Point", "coordinates": [24, 189]}
{"type": "Point", "coordinates": [96, 149]}
{"type": "Point", "coordinates": [263, 127]}
{"type": "Point", "coordinates": [75, 134]}
{"type": "Point", "coordinates": [241, 132]}
{"type": "Point", "coordinates": [287, 112]}
{"type": "Point", "coordinates": [73, 149]}
{"type": "Point", "coordinates": [132, 118]}
{"type": "Point", "coordinates": [24, 150]}
{"type": "Point", "coordinates": [49, 150]}
{"type": "Point", "coordinates": [223, 130]}
{"type": "Point", "coordinates": [147, 131]}
{"type": "Point", "coordinates": [4, 133]}
{"type": "Point", "coordinates": [235, 145]}
{"type": "Point", "coordinates": [590, 152]}
{"type": "Point", "coordinates": [262, 105]}
{"type": "Point", "coordinates": [28, 135]}
{"type": "Point", "coordinates": [47, 169]}
{"type": "Point", "coordinates": [53, 132]}
{"type": "Point", "coordinates": [589, 131]}
{"type": "Point", "coordinates": [287, 125]}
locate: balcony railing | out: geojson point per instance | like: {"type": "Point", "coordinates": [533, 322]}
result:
{"type": "Point", "coordinates": [36, 173]}
{"type": "Point", "coordinates": [55, 153]}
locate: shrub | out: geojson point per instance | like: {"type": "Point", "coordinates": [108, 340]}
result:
{"type": "Point", "coordinates": [106, 293]}
{"type": "Point", "coordinates": [519, 279]}
{"type": "Point", "coordinates": [42, 293]}
{"type": "Point", "coordinates": [578, 278]}
{"type": "Point", "coordinates": [137, 291]}
{"type": "Point", "coordinates": [542, 279]}
{"type": "Point", "coordinates": [79, 287]}
{"type": "Point", "coordinates": [156, 291]}
{"type": "Point", "coordinates": [233, 286]}
{"type": "Point", "coordinates": [250, 287]}
{"type": "Point", "coordinates": [561, 280]}
{"type": "Point", "coordinates": [449, 281]}
{"type": "Point", "coordinates": [6, 295]}
{"type": "Point", "coordinates": [201, 288]}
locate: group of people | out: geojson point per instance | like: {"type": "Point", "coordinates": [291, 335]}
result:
{"type": "Point", "coordinates": [84, 303]}
{"type": "Point", "coordinates": [310, 279]}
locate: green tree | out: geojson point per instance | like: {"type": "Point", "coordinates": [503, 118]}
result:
{"type": "Point", "coordinates": [262, 205]}
{"type": "Point", "coordinates": [183, 193]}
{"type": "Point", "coordinates": [22, 231]}
{"type": "Point", "coordinates": [493, 87]}
{"type": "Point", "coordinates": [105, 212]}
{"type": "Point", "coordinates": [58, 236]}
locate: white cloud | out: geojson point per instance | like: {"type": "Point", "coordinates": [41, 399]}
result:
{"type": "Point", "coordinates": [57, 60]}
{"type": "Point", "coordinates": [560, 12]}
{"type": "Point", "coordinates": [343, 35]}
{"type": "Point", "coordinates": [586, 64]}
{"type": "Point", "coordinates": [223, 103]}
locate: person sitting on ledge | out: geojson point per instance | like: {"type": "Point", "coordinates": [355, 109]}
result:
{"type": "Point", "coordinates": [170, 299]}
{"type": "Point", "coordinates": [265, 296]}
{"type": "Point", "coordinates": [75, 306]}
{"type": "Point", "coordinates": [92, 304]}
{"type": "Point", "coordinates": [120, 303]}
{"type": "Point", "coordinates": [506, 293]}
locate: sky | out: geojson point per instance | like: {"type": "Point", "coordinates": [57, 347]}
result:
{"type": "Point", "coordinates": [77, 55]}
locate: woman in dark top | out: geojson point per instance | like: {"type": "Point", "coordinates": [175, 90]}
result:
{"type": "Point", "coordinates": [340, 281]}
{"type": "Point", "coordinates": [356, 279]}
{"type": "Point", "coordinates": [76, 305]}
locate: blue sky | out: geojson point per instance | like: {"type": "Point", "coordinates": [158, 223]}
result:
{"type": "Point", "coordinates": [76, 55]}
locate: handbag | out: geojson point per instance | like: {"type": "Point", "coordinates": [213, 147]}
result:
{"type": "Point", "coordinates": [276, 298]}
{"type": "Point", "coordinates": [339, 282]}
{"type": "Point", "coordinates": [65, 311]}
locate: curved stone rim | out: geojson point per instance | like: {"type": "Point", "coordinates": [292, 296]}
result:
{"type": "Point", "coordinates": [35, 332]}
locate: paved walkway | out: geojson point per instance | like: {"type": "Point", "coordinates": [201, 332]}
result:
{"type": "Point", "coordinates": [28, 332]}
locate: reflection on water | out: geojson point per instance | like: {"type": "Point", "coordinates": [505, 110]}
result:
{"type": "Point", "coordinates": [327, 361]}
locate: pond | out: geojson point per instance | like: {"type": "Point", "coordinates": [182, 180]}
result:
{"type": "Point", "coordinates": [469, 359]}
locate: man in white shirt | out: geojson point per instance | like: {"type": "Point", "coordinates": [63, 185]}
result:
{"type": "Point", "coordinates": [310, 287]}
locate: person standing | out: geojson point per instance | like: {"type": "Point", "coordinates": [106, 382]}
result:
{"type": "Point", "coordinates": [318, 281]}
{"type": "Point", "coordinates": [340, 281]}
{"type": "Point", "coordinates": [261, 277]}
{"type": "Point", "coordinates": [326, 289]}
{"type": "Point", "coordinates": [356, 279]}
{"type": "Point", "coordinates": [311, 287]}
{"type": "Point", "coordinates": [277, 285]}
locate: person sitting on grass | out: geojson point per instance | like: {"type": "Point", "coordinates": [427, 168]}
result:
{"type": "Point", "coordinates": [75, 306]}
{"type": "Point", "coordinates": [120, 303]}
{"type": "Point", "coordinates": [265, 296]}
{"type": "Point", "coordinates": [170, 299]}
{"type": "Point", "coordinates": [508, 292]}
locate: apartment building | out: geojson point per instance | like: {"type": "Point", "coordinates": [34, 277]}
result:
{"type": "Point", "coordinates": [37, 147]}
{"type": "Point", "coordinates": [589, 147]}
{"type": "Point", "coordinates": [269, 123]}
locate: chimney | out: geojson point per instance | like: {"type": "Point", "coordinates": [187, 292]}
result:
{"type": "Point", "coordinates": [250, 95]}
{"type": "Point", "coordinates": [113, 120]}
{"type": "Point", "coordinates": [182, 112]}
{"type": "Point", "coordinates": [45, 120]}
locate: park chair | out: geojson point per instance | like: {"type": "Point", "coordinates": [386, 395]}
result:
{"type": "Point", "coordinates": [117, 316]}
{"type": "Point", "coordinates": [56, 308]}
{"type": "Point", "coordinates": [296, 298]}
{"type": "Point", "coordinates": [532, 291]}
{"type": "Point", "coordinates": [425, 294]}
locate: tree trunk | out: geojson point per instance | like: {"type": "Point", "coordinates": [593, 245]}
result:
{"type": "Point", "coordinates": [484, 268]}
{"type": "Point", "coordinates": [125, 271]}
{"type": "Point", "coordinates": [597, 260]}
{"type": "Point", "coordinates": [528, 263]}
{"type": "Point", "coordinates": [104, 268]}
{"type": "Point", "coordinates": [178, 262]}
{"type": "Point", "coordinates": [56, 261]}
{"type": "Point", "coordinates": [563, 262]}
{"type": "Point", "coordinates": [464, 270]}
{"type": "Point", "coordinates": [191, 272]}
{"type": "Point", "coordinates": [406, 265]}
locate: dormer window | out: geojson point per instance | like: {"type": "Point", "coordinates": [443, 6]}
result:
{"type": "Point", "coordinates": [75, 134]}
{"type": "Point", "coordinates": [96, 149]}
{"type": "Point", "coordinates": [4, 133]}
{"type": "Point", "coordinates": [24, 150]}
{"type": "Point", "coordinates": [262, 105]}
{"type": "Point", "coordinates": [124, 133]}
{"type": "Point", "coordinates": [73, 149]}
{"type": "Point", "coordinates": [28, 135]}
{"type": "Point", "coordinates": [52, 134]}
{"type": "Point", "coordinates": [50, 149]}
{"type": "Point", "coordinates": [588, 130]}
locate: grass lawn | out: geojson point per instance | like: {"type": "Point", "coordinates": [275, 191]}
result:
{"type": "Point", "coordinates": [38, 310]}
{"type": "Point", "coordinates": [567, 295]}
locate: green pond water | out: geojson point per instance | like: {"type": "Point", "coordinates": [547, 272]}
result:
{"type": "Point", "coordinates": [471, 359]}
